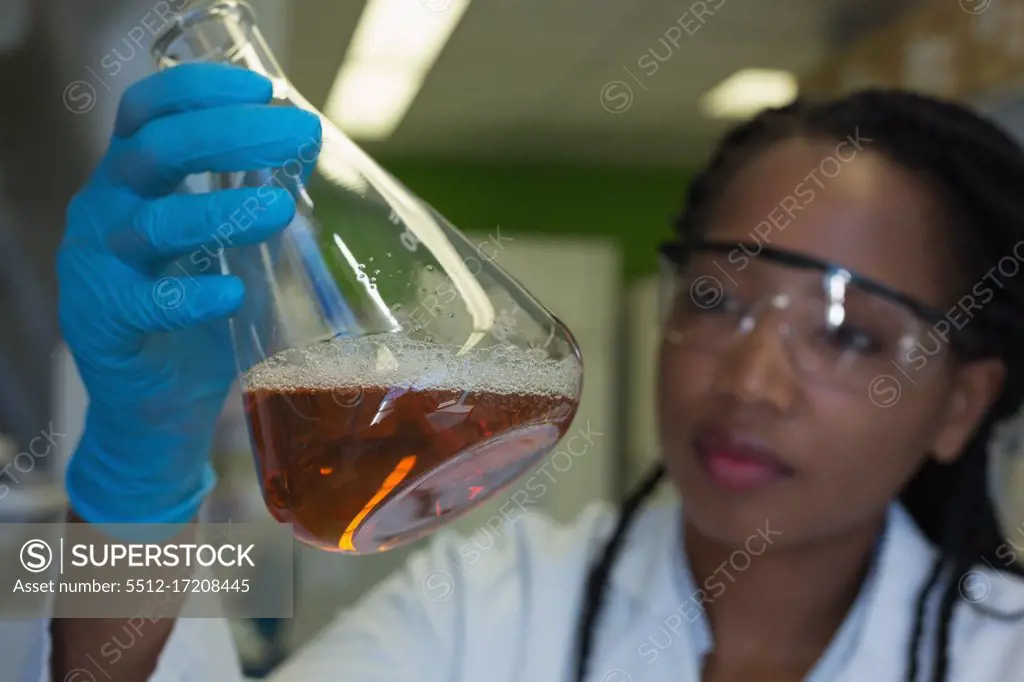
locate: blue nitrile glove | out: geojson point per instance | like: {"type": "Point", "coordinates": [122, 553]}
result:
{"type": "Point", "coordinates": [142, 305]}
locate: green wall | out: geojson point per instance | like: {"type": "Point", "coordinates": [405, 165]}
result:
{"type": "Point", "coordinates": [632, 205]}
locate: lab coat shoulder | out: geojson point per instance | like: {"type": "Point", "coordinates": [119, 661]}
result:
{"type": "Point", "coordinates": [986, 642]}
{"type": "Point", "coordinates": [485, 603]}
{"type": "Point", "coordinates": [990, 640]}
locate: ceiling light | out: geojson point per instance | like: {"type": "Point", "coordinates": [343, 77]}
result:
{"type": "Point", "coordinates": [393, 49]}
{"type": "Point", "coordinates": [368, 103]}
{"type": "Point", "coordinates": [404, 32]}
{"type": "Point", "coordinates": [747, 92]}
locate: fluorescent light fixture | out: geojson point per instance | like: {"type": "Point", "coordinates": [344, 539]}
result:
{"type": "Point", "coordinates": [408, 34]}
{"type": "Point", "coordinates": [747, 92]}
{"type": "Point", "coordinates": [370, 102]}
{"type": "Point", "coordinates": [393, 49]}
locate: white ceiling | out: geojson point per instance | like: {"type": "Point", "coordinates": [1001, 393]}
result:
{"type": "Point", "coordinates": [524, 78]}
{"type": "Point", "coordinates": [535, 85]}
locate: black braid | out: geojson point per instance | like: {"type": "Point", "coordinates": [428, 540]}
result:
{"type": "Point", "coordinates": [977, 171]}
{"type": "Point", "coordinates": [922, 602]}
{"type": "Point", "coordinates": [599, 572]}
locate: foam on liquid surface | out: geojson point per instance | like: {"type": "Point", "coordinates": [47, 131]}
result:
{"type": "Point", "coordinates": [388, 360]}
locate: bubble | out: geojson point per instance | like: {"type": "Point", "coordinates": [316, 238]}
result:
{"type": "Point", "coordinates": [395, 359]}
{"type": "Point", "coordinates": [377, 271]}
{"type": "Point", "coordinates": [430, 268]}
{"type": "Point", "coordinates": [450, 315]}
{"type": "Point", "coordinates": [362, 266]}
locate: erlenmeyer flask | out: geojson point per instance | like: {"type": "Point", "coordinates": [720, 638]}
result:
{"type": "Point", "coordinates": [394, 376]}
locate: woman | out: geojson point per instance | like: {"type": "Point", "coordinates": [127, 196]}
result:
{"type": "Point", "coordinates": [841, 339]}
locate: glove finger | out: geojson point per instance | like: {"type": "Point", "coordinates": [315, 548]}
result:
{"type": "Point", "coordinates": [180, 224]}
{"type": "Point", "coordinates": [173, 303]}
{"type": "Point", "coordinates": [223, 140]}
{"type": "Point", "coordinates": [188, 87]}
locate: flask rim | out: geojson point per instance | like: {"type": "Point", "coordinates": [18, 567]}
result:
{"type": "Point", "coordinates": [238, 11]}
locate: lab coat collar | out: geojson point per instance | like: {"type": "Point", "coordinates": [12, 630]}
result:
{"type": "Point", "coordinates": [646, 572]}
{"type": "Point", "coordinates": [647, 565]}
{"type": "Point", "coordinates": [905, 565]}
{"type": "Point", "coordinates": [645, 568]}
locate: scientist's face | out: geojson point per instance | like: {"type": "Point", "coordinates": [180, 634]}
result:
{"type": "Point", "coordinates": [751, 439]}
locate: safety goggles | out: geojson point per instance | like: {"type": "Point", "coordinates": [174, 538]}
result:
{"type": "Point", "coordinates": [838, 328]}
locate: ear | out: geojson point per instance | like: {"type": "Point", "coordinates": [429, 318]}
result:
{"type": "Point", "coordinates": [976, 386]}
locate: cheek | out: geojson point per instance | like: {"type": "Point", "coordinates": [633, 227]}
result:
{"type": "Point", "coordinates": [683, 378]}
{"type": "Point", "coordinates": [684, 382]}
{"type": "Point", "coordinates": [860, 446]}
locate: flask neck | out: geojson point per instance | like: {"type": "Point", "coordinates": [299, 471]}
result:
{"type": "Point", "coordinates": [220, 31]}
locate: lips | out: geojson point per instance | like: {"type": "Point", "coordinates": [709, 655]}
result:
{"type": "Point", "coordinates": [739, 461]}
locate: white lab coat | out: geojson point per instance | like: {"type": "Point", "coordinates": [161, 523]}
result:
{"type": "Point", "coordinates": [469, 609]}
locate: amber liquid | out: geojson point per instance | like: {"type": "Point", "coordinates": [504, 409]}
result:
{"type": "Point", "coordinates": [365, 469]}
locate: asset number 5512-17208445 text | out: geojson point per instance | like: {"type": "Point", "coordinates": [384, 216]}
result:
{"type": "Point", "coordinates": [211, 585]}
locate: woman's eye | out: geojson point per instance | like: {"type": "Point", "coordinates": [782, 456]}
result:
{"type": "Point", "coordinates": [701, 297]}
{"type": "Point", "coordinates": [724, 303]}
{"type": "Point", "coordinates": [849, 338]}
{"type": "Point", "coordinates": [709, 305]}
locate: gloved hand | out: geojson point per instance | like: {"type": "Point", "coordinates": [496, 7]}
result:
{"type": "Point", "coordinates": [142, 306]}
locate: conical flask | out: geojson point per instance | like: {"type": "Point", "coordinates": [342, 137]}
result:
{"type": "Point", "coordinates": [394, 376]}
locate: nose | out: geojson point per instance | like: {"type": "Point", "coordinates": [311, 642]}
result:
{"type": "Point", "coordinates": [755, 369]}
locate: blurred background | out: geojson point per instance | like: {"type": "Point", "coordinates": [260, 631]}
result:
{"type": "Point", "coordinates": [569, 127]}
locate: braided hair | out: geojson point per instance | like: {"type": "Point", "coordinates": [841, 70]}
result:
{"type": "Point", "coordinates": [977, 171]}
